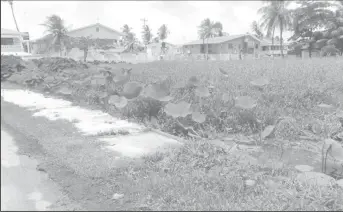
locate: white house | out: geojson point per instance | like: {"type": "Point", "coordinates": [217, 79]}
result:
{"type": "Point", "coordinates": [12, 42]}
{"type": "Point", "coordinates": [269, 48]}
{"type": "Point", "coordinates": [95, 31]}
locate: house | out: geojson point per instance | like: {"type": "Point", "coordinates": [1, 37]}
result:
{"type": "Point", "coordinates": [155, 50]}
{"type": "Point", "coordinates": [97, 31]}
{"type": "Point", "coordinates": [230, 47]}
{"type": "Point", "coordinates": [11, 42]}
{"type": "Point", "coordinates": [268, 48]}
{"type": "Point", "coordinates": [102, 33]}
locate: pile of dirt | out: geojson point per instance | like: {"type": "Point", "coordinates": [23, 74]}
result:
{"type": "Point", "coordinates": [9, 65]}
{"type": "Point", "coordinates": [55, 64]}
{"type": "Point", "coordinates": [16, 70]}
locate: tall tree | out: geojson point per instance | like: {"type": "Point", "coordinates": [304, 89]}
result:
{"type": "Point", "coordinates": [209, 29]}
{"type": "Point", "coordinates": [146, 35]}
{"type": "Point", "coordinates": [163, 32]}
{"type": "Point", "coordinates": [333, 33]}
{"type": "Point", "coordinates": [128, 35]}
{"type": "Point", "coordinates": [308, 18]}
{"type": "Point", "coordinates": [256, 30]}
{"type": "Point", "coordinates": [55, 26]}
{"type": "Point", "coordinates": [276, 15]}
{"type": "Point", "coordinates": [10, 2]}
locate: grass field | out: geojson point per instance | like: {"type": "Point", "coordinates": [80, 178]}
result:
{"type": "Point", "coordinates": [204, 176]}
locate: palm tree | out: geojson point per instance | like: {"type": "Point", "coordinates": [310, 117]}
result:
{"type": "Point", "coordinates": [275, 15]}
{"type": "Point", "coordinates": [10, 2]}
{"type": "Point", "coordinates": [56, 27]}
{"type": "Point", "coordinates": [256, 30]}
{"type": "Point", "coordinates": [209, 29]}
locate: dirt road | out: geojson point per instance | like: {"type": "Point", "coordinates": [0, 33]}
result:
{"type": "Point", "coordinates": [23, 187]}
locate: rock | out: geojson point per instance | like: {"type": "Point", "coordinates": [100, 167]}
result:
{"type": "Point", "coordinates": [315, 179]}
{"type": "Point", "coordinates": [117, 196]}
{"type": "Point", "coordinates": [303, 168]}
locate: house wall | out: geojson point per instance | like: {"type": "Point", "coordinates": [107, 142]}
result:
{"type": "Point", "coordinates": [273, 50]}
{"type": "Point", "coordinates": [103, 33]}
{"type": "Point", "coordinates": [229, 47]}
{"type": "Point", "coordinates": [17, 45]}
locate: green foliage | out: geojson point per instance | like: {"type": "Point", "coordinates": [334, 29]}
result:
{"type": "Point", "coordinates": [129, 36]}
{"type": "Point", "coordinates": [245, 102]}
{"type": "Point", "coordinates": [163, 32]}
{"type": "Point", "coordinates": [208, 29]}
{"type": "Point", "coordinates": [146, 34]}
{"type": "Point", "coordinates": [257, 30]}
{"type": "Point", "coordinates": [318, 26]}
{"type": "Point", "coordinates": [55, 26]}
{"type": "Point", "coordinates": [199, 102]}
{"type": "Point", "coordinates": [132, 90]}
{"type": "Point", "coordinates": [118, 101]}
{"type": "Point", "coordinates": [181, 109]}
{"type": "Point", "coordinates": [275, 14]}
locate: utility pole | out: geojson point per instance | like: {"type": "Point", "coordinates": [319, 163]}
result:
{"type": "Point", "coordinates": [144, 20]}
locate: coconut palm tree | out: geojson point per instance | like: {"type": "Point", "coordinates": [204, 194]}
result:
{"type": "Point", "coordinates": [276, 15]}
{"type": "Point", "coordinates": [209, 29]}
{"type": "Point", "coordinates": [256, 30]}
{"type": "Point", "coordinates": [56, 27]}
{"type": "Point", "coordinates": [10, 2]}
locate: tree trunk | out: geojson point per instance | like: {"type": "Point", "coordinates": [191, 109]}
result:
{"type": "Point", "coordinates": [203, 44]}
{"type": "Point", "coordinates": [207, 50]}
{"type": "Point", "coordinates": [310, 46]}
{"type": "Point", "coordinates": [273, 42]}
{"type": "Point", "coordinates": [15, 21]}
{"type": "Point", "coordinates": [281, 47]}
{"type": "Point", "coordinates": [85, 53]}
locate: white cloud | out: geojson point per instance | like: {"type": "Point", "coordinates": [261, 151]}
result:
{"type": "Point", "coordinates": [181, 17]}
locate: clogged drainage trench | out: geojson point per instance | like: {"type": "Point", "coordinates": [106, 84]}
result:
{"type": "Point", "coordinates": [22, 186]}
{"type": "Point", "coordinates": [136, 143]}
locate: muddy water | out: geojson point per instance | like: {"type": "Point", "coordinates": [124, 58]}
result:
{"type": "Point", "coordinates": [299, 156]}
{"type": "Point", "coordinates": [22, 186]}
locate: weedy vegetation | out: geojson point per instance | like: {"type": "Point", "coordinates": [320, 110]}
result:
{"type": "Point", "coordinates": [279, 108]}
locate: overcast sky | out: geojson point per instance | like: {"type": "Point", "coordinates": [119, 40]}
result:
{"type": "Point", "coordinates": [181, 17]}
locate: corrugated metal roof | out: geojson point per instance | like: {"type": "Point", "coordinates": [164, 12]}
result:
{"type": "Point", "coordinates": [222, 39]}
{"type": "Point", "coordinates": [160, 44]}
{"type": "Point", "coordinates": [268, 42]}
{"type": "Point", "coordinates": [98, 25]}
{"type": "Point", "coordinates": [9, 31]}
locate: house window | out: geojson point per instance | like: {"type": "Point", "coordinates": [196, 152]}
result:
{"type": "Point", "coordinates": [7, 41]}
{"type": "Point", "coordinates": [230, 46]}
{"type": "Point", "coordinates": [97, 29]}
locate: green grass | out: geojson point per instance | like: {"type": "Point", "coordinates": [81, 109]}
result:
{"type": "Point", "coordinates": [202, 176]}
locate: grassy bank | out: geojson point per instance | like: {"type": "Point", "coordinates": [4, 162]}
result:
{"type": "Point", "coordinates": [202, 176]}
